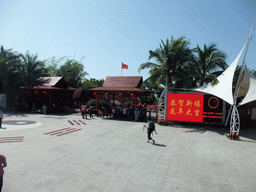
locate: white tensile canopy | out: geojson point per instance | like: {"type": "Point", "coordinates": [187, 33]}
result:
{"type": "Point", "coordinates": [251, 94]}
{"type": "Point", "coordinates": [223, 89]}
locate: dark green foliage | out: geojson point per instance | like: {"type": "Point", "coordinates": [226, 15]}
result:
{"type": "Point", "coordinates": [73, 72]}
{"type": "Point", "coordinates": [102, 103]}
{"type": "Point", "coordinates": [207, 65]}
{"type": "Point", "coordinates": [92, 83]}
{"type": "Point", "coordinates": [31, 68]}
{"type": "Point", "coordinates": [177, 66]}
{"type": "Point", "coordinates": [9, 74]}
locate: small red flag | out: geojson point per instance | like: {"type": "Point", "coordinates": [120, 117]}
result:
{"type": "Point", "coordinates": [124, 66]}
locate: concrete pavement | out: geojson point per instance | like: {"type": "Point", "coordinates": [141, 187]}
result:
{"type": "Point", "coordinates": [67, 153]}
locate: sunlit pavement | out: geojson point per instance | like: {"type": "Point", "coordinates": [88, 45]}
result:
{"type": "Point", "coordinates": [67, 153]}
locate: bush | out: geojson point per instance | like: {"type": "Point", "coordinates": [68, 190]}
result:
{"type": "Point", "coordinates": [102, 103]}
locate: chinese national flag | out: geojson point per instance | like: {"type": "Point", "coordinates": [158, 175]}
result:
{"type": "Point", "coordinates": [124, 66]}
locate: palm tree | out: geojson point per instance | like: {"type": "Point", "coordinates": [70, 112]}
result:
{"type": "Point", "coordinates": [208, 64]}
{"type": "Point", "coordinates": [9, 75]}
{"type": "Point", "coordinates": [170, 58]}
{"type": "Point", "coordinates": [32, 68]}
{"type": "Point", "coordinates": [8, 67]}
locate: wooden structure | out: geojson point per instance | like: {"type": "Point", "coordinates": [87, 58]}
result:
{"type": "Point", "coordinates": [52, 91]}
{"type": "Point", "coordinates": [119, 87]}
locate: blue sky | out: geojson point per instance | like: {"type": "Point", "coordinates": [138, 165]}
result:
{"type": "Point", "coordinates": [107, 33]}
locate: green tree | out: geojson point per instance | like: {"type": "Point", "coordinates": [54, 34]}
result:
{"type": "Point", "coordinates": [207, 65]}
{"type": "Point", "coordinates": [52, 66]}
{"type": "Point", "coordinates": [171, 57]}
{"type": "Point", "coordinates": [9, 64]}
{"type": "Point", "coordinates": [73, 72]}
{"type": "Point", "coordinates": [9, 75]}
{"type": "Point", "coordinates": [32, 68]}
{"type": "Point", "coordinates": [92, 83]}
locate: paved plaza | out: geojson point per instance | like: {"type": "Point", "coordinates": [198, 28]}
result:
{"type": "Point", "coordinates": [65, 153]}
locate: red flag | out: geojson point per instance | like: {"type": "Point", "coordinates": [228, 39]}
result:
{"type": "Point", "coordinates": [124, 66]}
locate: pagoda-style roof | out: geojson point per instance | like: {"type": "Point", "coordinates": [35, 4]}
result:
{"type": "Point", "coordinates": [119, 81]}
{"type": "Point", "coordinates": [50, 83]}
{"type": "Point", "coordinates": [114, 84]}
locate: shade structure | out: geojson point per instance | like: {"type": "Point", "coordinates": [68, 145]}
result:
{"type": "Point", "coordinates": [223, 89]}
{"type": "Point", "coordinates": [251, 94]}
{"type": "Point", "coordinates": [245, 83]}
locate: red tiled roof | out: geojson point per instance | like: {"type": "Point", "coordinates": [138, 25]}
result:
{"type": "Point", "coordinates": [117, 89]}
{"type": "Point", "coordinates": [120, 81]}
{"type": "Point", "coordinates": [47, 87]}
{"type": "Point", "coordinates": [130, 84]}
{"type": "Point", "coordinates": [49, 81]}
{"type": "Point", "coordinates": [57, 83]}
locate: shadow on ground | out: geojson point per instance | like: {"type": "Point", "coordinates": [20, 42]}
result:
{"type": "Point", "coordinates": [247, 133]}
{"type": "Point", "coordinates": [159, 145]}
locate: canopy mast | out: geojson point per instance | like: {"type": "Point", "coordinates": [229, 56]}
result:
{"type": "Point", "coordinates": [235, 119]}
{"type": "Point", "coordinates": [243, 65]}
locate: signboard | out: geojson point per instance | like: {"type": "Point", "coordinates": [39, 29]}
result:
{"type": "Point", "coordinates": [193, 108]}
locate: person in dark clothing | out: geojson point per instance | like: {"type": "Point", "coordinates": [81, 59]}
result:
{"type": "Point", "coordinates": [84, 111]}
{"type": "Point", "coordinates": [3, 164]}
{"type": "Point", "coordinates": [150, 129]}
{"type": "Point", "coordinates": [90, 112]}
{"type": "Point", "coordinates": [1, 117]}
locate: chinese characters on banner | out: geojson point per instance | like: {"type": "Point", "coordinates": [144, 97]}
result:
{"type": "Point", "coordinates": [185, 107]}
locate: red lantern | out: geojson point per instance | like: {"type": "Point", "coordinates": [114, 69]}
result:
{"type": "Point", "coordinates": [107, 95]}
{"type": "Point", "coordinates": [45, 93]}
{"type": "Point", "coordinates": [96, 94]}
{"type": "Point", "coordinates": [133, 95]}
{"type": "Point", "coordinates": [36, 92]}
{"type": "Point", "coordinates": [121, 95]}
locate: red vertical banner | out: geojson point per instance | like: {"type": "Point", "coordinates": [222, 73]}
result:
{"type": "Point", "coordinates": [185, 107]}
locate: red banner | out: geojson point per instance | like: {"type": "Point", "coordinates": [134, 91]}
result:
{"type": "Point", "coordinates": [185, 107]}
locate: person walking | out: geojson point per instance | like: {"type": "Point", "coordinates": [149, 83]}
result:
{"type": "Point", "coordinates": [114, 112]}
{"type": "Point", "coordinates": [150, 129]}
{"type": "Point", "coordinates": [3, 164]}
{"type": "Point", "coordinates": [1, 117]}
{"type": "Point", "coordinates": [44, 108]}
{"type": "Point", "coordinates": [84, 111]}
{"type": "Point", "coordinates": [136, 114]}
{"type": "Point", "coordinates": [90, 112]}
{"type": "Point", "coordinates": [125, 113]}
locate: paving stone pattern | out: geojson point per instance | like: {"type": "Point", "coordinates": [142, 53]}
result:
{"type": "Point", "coordinates": [110, 155]}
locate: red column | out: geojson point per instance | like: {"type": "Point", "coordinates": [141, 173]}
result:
{"type": "Point", "coordinates": [50, 102]}
{"type": "Point", "coordinates": [98, 106]}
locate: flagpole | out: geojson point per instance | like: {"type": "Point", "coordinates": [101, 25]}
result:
{"type": "Point", "coordinates": [121, 69]}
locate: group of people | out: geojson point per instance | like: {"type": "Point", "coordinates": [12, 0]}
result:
{"type": "Point", "coordinates": [124, 113]}
{"type": "Point", "coordinates": [85, 110]}
{"type": "Point", "coordinates": [127, 112]}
